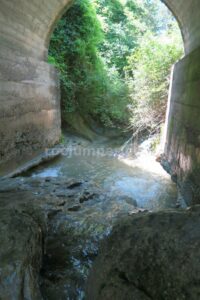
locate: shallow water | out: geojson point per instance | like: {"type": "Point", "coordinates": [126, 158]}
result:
{"type": "Point", "coordinates": [140, 178]}
{"type": "Point", "coordinates": [118, 181]}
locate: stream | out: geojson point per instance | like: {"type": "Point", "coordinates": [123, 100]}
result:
{"type": "Point", "coordinates": [129, 172]}
{"type": "Point", "coordinates": [113, 179]}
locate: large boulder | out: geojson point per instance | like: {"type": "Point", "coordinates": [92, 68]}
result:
{"type": "Point", "coordinates": [20, 252]}
{"type": "Point", "coordinates": [50, 230]}
{"type": "Point", "coordinates": [150, 256]}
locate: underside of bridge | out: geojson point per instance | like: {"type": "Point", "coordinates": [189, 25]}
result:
{"type": "Point", "coordinates": [29, 86]}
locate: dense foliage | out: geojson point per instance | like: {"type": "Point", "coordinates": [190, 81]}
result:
{"type": "Point", "coordinates": [86, 84]}
{"type": "Point", "coordinates": [73, 49]}
{"type": "Point", "coordinates": [114, 58]}
{"type": "Point", "coordinates": [150, 66]}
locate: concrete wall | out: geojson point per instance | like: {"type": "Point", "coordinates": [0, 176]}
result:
{"type": "Point", "coordinates": [30, 110]}
{"type": "Point", "coordinates": [182, 148]}
{"type": "Point", "coordinates": [187, 13]}
{"type": "Point", "coordinates": [29, 88]}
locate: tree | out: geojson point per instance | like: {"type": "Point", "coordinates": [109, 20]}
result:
{"type": "Point", "coordinates": [110, 59]}
{"type": "Point", "coordinates": [150, 68]}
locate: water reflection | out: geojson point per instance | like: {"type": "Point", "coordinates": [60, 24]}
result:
{"type": "Point", "coordinates": [140, 177]}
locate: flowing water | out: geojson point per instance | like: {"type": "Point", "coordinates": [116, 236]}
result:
{"type": "Point", "coordinates": [109, 164]}
{"type": "Point", "coordinates": [117, 184]}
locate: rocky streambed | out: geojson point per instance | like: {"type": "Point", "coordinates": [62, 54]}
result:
{"type": "Point", "coordinates": [153, 256]}
{"type": "Point", "coordinates": [94, 237]}
{"type": "Point", "coordinates": [50, 234]}
{"type": "Point", "coordinates": [51, 231]}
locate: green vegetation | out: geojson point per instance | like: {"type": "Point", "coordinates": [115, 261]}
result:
{"type": "Point", "coordinates": [150, 66]}
{"type": "Point", "coordinates": [114, 58]}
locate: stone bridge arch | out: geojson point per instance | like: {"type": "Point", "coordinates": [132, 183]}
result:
{"type": "Point", "coordinates": [29, 87]}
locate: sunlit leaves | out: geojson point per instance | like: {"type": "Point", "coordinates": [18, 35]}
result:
{"type": "Point", "coordinates": [150, 68]}
{"type": "Point", "coordinates": [114, 54]}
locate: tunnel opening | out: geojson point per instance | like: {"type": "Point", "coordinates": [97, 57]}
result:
{"type": "Point", "coordinates": [101, 77]}
{"type": "Point", "coordinates": [99, 92]}
{"type": "Point", "coordinates": [96, 143]}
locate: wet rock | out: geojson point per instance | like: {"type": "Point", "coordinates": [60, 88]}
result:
{"type": "Point", "coordinates": [62, 203]}
{"type": "Point", "coordinates": [48, 179]}
{"type": "Point", "coordinates": [128, 200]}
{"type": "Point", "coordinates": [53, 212]}
{"type": "Point", "coordinates": [86, 196]}
{"type": "Point", "coordinates": [74, 185]}
{"type": "Point", "coordinates": [20, 255]}
{"type": "Point", "coordinates": [57, 239]}
{"type": "Point", "coordinates": [149, 256]}
{"type": "Point", "coordinates": [69, 238]}
{"type": "Point", "coordinates": [74, 208]}
{"type": "Point", "coordinates": [60, 194]}
{"type": "Point", "coordinates": [194, 208]}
